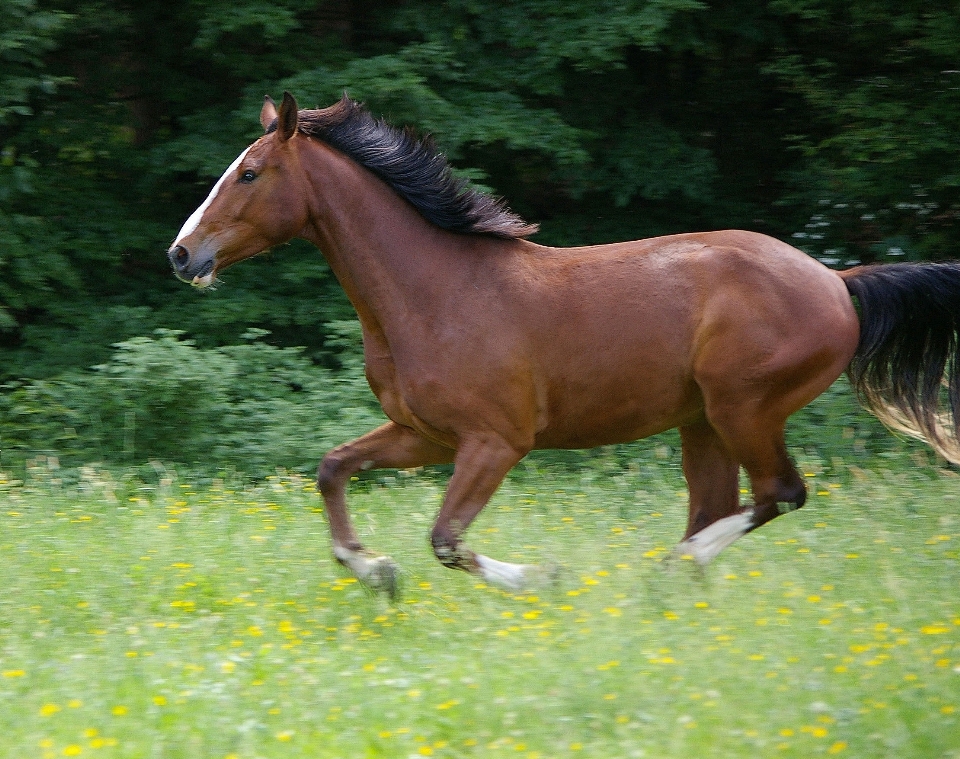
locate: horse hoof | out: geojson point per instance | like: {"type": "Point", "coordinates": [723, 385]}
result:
{"type": "Point", "coordinates": [379, 573]}
{"type": "Point", "coordinates": [384, 576]}
{"type": "Point", "coordinates": [542, 576]}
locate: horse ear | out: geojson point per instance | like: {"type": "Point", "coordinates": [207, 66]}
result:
{"type": "Point", "coordinates": [287, 119]}
{"type": "Point", "coordinates": [268, 113]}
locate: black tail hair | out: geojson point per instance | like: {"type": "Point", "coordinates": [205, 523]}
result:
{"type": "Point", "coordinates": [906, 369]}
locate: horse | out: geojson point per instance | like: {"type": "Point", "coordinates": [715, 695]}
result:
{"type": "Point", "coordinates": [481, 345]}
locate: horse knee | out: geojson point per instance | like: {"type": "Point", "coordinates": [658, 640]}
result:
{"type": "Point", "coordinates": [444, 548]}
{"type": "Point", "coordinates": [330, 473]}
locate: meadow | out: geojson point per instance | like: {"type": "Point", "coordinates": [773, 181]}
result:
{"type": "Point", "coordinates": [180, 617]}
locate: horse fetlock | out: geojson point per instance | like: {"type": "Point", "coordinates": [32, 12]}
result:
{"type": "Point", "coordinates": [329, 475]}
{"type": "Point", "coordinates": [793, 491]}
{"type": "Point", "coordinates": [800, 496]}
{"type": "Point", "coordinates": [453, 555]}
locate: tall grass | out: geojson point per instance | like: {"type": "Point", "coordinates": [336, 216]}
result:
{"type": "Point", "coordinates": [176, 620]}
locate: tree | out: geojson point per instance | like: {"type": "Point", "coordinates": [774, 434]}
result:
{"type": "Point", "coordinates": [832, 125]}
{"type": "Point", "coordinates": [879, 148]}
{"type": "Point", "coordinates": [26, 37]}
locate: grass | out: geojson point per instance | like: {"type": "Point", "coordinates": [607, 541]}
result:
{"type": "Point", "coordinates": [178, 620]}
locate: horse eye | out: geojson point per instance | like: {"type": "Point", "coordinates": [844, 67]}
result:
{"type": "Point", "coordinates": [247, 176]}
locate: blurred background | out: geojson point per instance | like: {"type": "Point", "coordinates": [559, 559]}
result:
{"type": "Point", "coordinates": [833, 125]}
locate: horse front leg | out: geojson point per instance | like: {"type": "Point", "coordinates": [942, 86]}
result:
{"type": "Point", "coordinates": [390, 446]}
{"type": "Point", "coordinates": [754, 438]}
{"type": "Point", "coordinates": [712, 476]}
{"type": "Point", "coordinates": [479, 468]}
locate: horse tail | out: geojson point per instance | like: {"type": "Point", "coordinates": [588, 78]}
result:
{"type": "Point", "coordinates": [906, 369]}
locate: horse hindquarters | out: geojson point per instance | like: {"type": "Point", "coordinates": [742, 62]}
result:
{"type": "Point", "coordinates": [765, 356]}
{"type": "Point", "coordinates": [906, 353]}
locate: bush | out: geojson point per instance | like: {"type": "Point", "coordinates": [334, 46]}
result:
{"type": "Point", "coordinates": [252, 407]}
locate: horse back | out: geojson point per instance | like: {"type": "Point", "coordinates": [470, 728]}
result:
{"type": "Point", "coordinates": [624, 340]}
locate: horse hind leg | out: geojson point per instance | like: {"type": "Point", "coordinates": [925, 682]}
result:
{"type": "Point", "coordinates": [711, 474]}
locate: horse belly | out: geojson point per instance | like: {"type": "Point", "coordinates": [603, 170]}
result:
{"type": "Point", "coordinates": [610, 404]}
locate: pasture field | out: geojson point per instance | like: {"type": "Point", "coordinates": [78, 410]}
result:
{"type": "Point", "coordinates": [186, 620]}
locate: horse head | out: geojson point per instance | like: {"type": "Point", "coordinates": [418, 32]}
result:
{"type": "Point", "coordinates": [256, 204]}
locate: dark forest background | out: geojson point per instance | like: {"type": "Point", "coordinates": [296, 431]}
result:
{"type": "Point", "coordinates": [833, 125]}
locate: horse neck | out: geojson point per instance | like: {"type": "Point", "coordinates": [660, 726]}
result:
{"type": "Point", "coordinates": [387, 257]}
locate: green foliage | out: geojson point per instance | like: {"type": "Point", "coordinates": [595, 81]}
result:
{"type": "Point", "coordinates": [251, 407]}
{"type": "Point", "coordinates": [835, 126]}
{"type": "Point", "coordinates": [26, 36]}
{"type": "Point", "coordinates": [881, 145]}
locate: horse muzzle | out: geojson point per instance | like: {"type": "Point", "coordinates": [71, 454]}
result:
{"type": "Point", "coordinates": [194, 270]}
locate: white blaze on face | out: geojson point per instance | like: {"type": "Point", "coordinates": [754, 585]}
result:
{"type": "Point", "coordinates": [194, 221]}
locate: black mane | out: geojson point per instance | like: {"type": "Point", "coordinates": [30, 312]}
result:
{"type": "Point", "coordinates": [414, 168]}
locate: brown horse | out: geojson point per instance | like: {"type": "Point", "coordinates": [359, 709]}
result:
{"type": "Point", "coordinates": [482, 346]}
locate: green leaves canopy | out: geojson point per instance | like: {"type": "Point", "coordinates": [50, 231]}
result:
{"type": "Point", "coordinates": [834, 125]}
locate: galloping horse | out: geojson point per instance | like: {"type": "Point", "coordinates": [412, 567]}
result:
{"type": "Point", "coordinates": [482, 346]}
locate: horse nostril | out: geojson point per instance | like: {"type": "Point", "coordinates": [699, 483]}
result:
{"type": "Point", "coordinates": [179, 256]}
